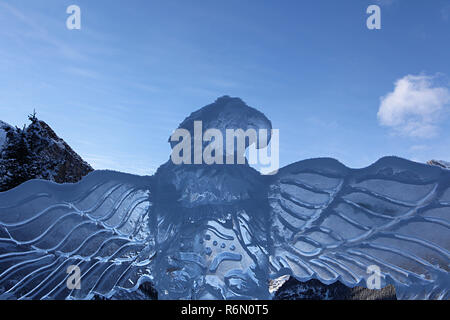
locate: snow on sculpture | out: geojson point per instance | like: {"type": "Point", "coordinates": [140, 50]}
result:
{"type": "Point", "coordinates": [222, 231]}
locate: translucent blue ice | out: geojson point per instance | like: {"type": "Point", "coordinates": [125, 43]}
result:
{"type": "Point", "coordinates": [222, 231]}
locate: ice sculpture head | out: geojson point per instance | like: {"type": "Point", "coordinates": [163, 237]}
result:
{"type": "Point", "coordinates": [199, 174]}
{"type": "Point", "coordinates": [220, 133]}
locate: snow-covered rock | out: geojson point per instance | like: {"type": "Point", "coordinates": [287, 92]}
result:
{"type": "Point", "coordinates": [3, 138]}
{"type": "Point", "coordinates": [36, 152]}
{"type": "Point", "coordinates": [440, 163]}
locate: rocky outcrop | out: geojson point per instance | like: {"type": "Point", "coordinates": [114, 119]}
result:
{"type": "Point", "coordinates": [36, 152]}
{"type": "Point", "coordinates": [315, 290]}
{"type": "Point", "coordinates": [439, 163]}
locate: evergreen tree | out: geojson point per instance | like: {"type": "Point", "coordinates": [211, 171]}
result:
{"type": "Point", "coordinates": [16, 159]}
{"type": "Point", "coordinates": [19, 162]}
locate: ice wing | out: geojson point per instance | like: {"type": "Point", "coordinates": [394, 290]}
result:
{"type": "Point", "coordinates": [99, 225]}
{"type": "Point", "coordinates": [334, 223]}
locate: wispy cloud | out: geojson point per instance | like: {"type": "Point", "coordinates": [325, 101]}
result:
{"type": "Point", "coordinates": [319, 122]}
{"type": "Point", "coordinates": [415, 107]}
{"type": "Point", "coordinates": [82, 72]}
{"type": "Point", "coordinates": [419, 147]}
{"type": "Point", "coordinates": [146, 87]}
{"type": "Point", "coordinates": [37, 32]}
{"type": "Point", "coordinates": [120, 163]}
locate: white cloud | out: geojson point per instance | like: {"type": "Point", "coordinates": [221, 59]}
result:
{"type": "Point", "coordinates": [415, 107]}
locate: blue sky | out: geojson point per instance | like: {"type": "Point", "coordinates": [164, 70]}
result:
{"type": "Point", "coordinates": [116, 89]}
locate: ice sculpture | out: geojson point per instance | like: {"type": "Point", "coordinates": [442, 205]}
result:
{"type": "Point", "coordinates": [222, 231]}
